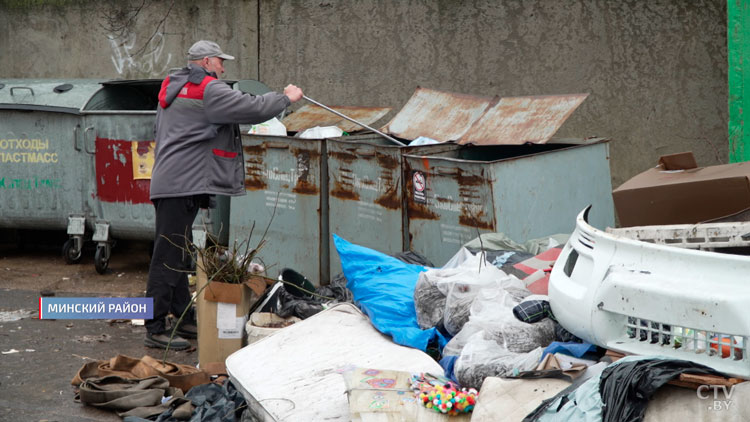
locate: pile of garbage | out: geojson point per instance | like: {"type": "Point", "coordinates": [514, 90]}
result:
{"type": "Point", "coordinates": [497, 326]}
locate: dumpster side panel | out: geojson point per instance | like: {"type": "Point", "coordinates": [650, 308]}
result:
{"type": "Point", "coordinates": [525, 197]}
{"type": "Point", "coordinates": [541, 194]}
{"type": "Point", "coordinates": [285, 182]}
{"type": "Point", "coordinates": [41, 172]}
{"type": "Point", "coordinates": [365, 201]}
{"type": "Point", "coordinates": [448, 204]}
{"type": "Point", "coordinates": [120, 188]}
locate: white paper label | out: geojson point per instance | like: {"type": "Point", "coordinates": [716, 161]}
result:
{"type": "Point", "coordinates": [233, 333]}
{"type": "Point", "coordinates": [226, 316]}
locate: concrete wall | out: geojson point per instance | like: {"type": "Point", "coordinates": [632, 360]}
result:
{"type": "Point", "coordinates": [656, 71]}
{"type": "Point", "coordinates": [106, 39]}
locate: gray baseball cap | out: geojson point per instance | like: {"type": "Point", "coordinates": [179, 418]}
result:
{"type": "Point", "coordinates": [205, 48]}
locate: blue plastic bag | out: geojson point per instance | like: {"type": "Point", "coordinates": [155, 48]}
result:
{"type": "Point", "coordinates": [572, 349]}
{"type": "Point", "coordinates": [383, 287]}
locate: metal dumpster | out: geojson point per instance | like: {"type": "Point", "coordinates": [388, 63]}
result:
{"type": "Point", "coordinates": [525, 191]}
{"type": "Point", "coordinates": [76, 154]}
{"type": "Point", "coordinates": [366, 201]}
{"type": "Point", "coordinates": [121, 119]}
{"type": "Point", "coordinates": [509, 177]}
{"type": "Point", "coordinates": [286, 179]}
{"type": "Point", "coordinates": [365, 192]}
{"type": "Point", "coordinates": [42, 170]}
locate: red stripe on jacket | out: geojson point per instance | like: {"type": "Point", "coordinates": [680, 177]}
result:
{"type": "Point", "coordinates": [225, 154]}
{"type": "Point", "coordinates": [163, 93]}
{"type": "Point", "coordinates": [190, 90]}
{"type": "Point", "coordinates": [195, 91]}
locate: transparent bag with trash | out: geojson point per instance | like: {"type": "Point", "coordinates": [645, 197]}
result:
{"type": "Point", "coordinates": [482, 357]}
{"type": "Point", "coordinates": [434, 285]}
{"type": "Point", "coordinates": [446, 294]}
{"type": "Point", "coordinates": [492, 312]}
{"type": "Point", "coordinates": [477, 278]}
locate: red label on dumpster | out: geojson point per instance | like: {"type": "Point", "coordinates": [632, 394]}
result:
{"type": "Point", "coordinates": [114, 173]}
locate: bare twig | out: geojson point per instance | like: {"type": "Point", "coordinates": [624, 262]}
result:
{"type": "Point", "coordinates": [219, 264]}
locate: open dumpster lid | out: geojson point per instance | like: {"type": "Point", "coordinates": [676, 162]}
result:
{"type": "Point", "coordinates": [311, 115]}
{"type": "Point", "coordinates": [518, 120]}
{"type": "Point", "coordinates": [63, 95]}
{"type": "Point", "coordinates": [126, 95]}
{"type": "Point", "coordinates": [469, 119]}
{"type": "Point", "coordinates": [442, 116]}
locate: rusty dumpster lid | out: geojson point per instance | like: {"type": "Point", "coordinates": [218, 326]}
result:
{"type": "Point", "coordinates": [442, 116]}
{"type": "Point", "coordinates": [517, 120]}
{"type": "Point", "coordinates": [311, 115]}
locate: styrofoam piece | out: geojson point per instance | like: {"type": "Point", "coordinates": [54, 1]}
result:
{"type": "Point", "coordinates": [295, 374]}
{"type": "Point", "coordinates": [509, 400]}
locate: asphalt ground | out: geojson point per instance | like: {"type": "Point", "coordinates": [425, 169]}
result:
{"type": "Point", "coordinates": [40, 357]}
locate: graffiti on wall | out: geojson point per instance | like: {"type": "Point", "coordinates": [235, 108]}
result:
{"type": "Point", "coordinates": [148, 60]}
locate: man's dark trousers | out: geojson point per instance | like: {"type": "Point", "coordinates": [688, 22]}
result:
{"type": "Point", "coordinates": [171, 259]}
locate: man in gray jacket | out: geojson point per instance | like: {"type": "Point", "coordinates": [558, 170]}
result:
{"type": "Point", "coordinates": [198, 154]}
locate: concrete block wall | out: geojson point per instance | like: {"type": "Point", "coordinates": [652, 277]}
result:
{"type": "Point", "coordinates": [656, 71]}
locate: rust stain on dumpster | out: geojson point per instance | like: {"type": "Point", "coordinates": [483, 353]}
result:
{"type": "Point", "coordinates": [390, 199]}
{"type": "Point", "coordinates": [387, 161]}
{"type": "Point", "coordinates": [341, 192]}
{"type": "Point", "coordinates": [254, 179]}
{"type": "Point", "coordinates": [474, 221]}
{"type": "Point", "coordinates": [254, 169]}
{"type": "Point", "coordinates": [470, 179]}
{"type": "Point", "coordinates": [345, 156]}
{"type": "Point", "coordinates": [254, 150]}
{"type": "Point", "coordinates": [305, 188]}
{"type": "Point", "coordinates": [420, 211]}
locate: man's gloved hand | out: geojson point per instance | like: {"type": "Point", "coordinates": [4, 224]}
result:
{"type": "Point", "coordinates": [293, 92]}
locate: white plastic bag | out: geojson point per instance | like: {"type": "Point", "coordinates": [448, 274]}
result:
{"type": "Point", "coordinates": [423, 140]}
{"type": "Point", "coordinates": [269, 127]}
{"type": "Point", "coordinates": [319, 132]}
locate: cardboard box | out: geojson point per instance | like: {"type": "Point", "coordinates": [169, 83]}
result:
{"type": "Point", "coordinates": [222, 310]}
{"type": "Point", "coordinates": [677, 191]}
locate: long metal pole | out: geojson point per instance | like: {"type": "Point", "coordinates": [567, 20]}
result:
{"type": "Point", "coordinates": [395, 141]}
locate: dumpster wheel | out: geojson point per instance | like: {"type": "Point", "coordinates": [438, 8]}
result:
{"type": "Point", "coordinates": [70, 253]}
{"type": "Point", "coordinates": [101, 259]}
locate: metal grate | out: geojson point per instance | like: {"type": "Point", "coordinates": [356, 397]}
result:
{"type": "Point", "coordinates": [718, 345]}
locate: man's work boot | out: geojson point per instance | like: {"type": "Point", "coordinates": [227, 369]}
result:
{"type": "Point", "coordinates": [162, 339]}
{"type": "Point", "coordinates": [187, 330]}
